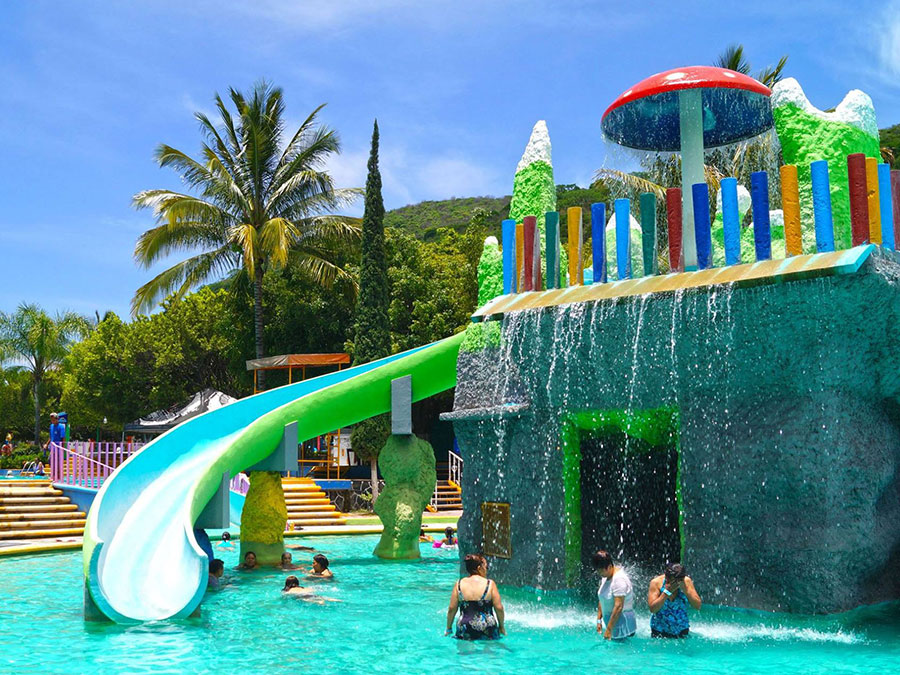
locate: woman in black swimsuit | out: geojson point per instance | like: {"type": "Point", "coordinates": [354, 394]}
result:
{"type": "Point", "coordinates": [476, 598]}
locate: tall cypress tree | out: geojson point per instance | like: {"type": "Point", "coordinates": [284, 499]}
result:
{"type": "Point", "coordinates": [373, 329]}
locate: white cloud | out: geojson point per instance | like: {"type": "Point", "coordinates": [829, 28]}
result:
{"type": "Point", "coordinates": [889, 40]}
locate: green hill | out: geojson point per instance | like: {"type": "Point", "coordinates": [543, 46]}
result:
{"type": "Point", "coordinates": [425, 218]}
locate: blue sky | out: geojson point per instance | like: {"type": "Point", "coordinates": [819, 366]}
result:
{"type": "Point", "coordinates": [90, 88]}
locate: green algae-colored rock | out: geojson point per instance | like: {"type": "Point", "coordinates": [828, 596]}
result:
{"type": "Point", "coordinates": [490, 272]}
{"type": "Point", "coordinates": [407, 464]}
{"type": "Point", "coordinates": [264, 517]}
{"type": "Point", "coordinates": [808, 134]}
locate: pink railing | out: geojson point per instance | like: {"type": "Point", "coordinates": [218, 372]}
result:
{"type": "Point", "coordinates": [240, 484]}
{"type": "Point", "coordinates": [88, 463]}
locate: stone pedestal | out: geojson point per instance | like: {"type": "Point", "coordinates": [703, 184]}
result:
{"type": "Point", "coordinates": [263, 518]}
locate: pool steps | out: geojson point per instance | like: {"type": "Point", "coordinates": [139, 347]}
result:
{"type": "Point", "coordinates": [308, 505]}
{"type": "Point", "coordinates": [35, 509]}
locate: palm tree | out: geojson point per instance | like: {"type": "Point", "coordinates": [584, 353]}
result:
{"type": "Point", "coordinates": [32, 336]}
{"type": "Point", "coordinates": [733, 58]}
{"type": "Point", "coordinates": [259, 202]}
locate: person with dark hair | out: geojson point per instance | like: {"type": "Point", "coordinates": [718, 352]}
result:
{"type": "Point", "coordinates": [476, 598]}
{"type": "Point", "coordinates": [225, 544]}
{"type": "Point", "coordinates": [448, 540]}
{"type": "Point", "coordinates": [216, 571]}
{"type": "Point", "coordinates": [292, 587]}
{"type": "Point", "coordinates": [424, 537]}
{"type": "Point", "coordinates": [615, 599]}
{"type": "Point", "coordinates": [669, 596]}
{"type": "Point", "coordinates": [320, 567]}
{"type": "Point", "coordinates": [249, 562]}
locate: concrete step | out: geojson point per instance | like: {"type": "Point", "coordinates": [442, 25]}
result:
{"type": "Point", "coordinates": [305, 522]}
{"type": "Point", "coordinates": [37, 508]}
{"type": "Point", "coordinates": [41, 524]}
{"type": "Point", "coordinates": [42, 515]}
{"type": "Point", "coordinates": [312, 507]}
{"type": "Point", "coordinates": [315, 514]}
{"type": "Point", "coordinates": [310, 500]}
{"type": "Point", "coordinates": [43, 491]}
{"type": "Point", "coordinates": [34, 534]}
{"type": "Point", "coordinates": [9, 501]}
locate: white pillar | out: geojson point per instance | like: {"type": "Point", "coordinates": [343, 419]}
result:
{"type": "Point", "coordinates": [690, 106]}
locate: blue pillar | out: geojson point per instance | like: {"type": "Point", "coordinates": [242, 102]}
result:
{"type": "Point", "coordinates": [821, 193]}
{"type": "Point", "coordinates": [551, 228]}
{"type": "Point", "coordinates": [731, 221]}
{"type": "Point", "coordinates": [598, 241]}
{"type": "Point", "coordinates": [887, 206]}
{"type": "Point", "coordinates": [762, 230]}
{"type": "Point", "coordinates": [702, 232]}
{"type": "Point", "coordinates": [623, 239]}
{"type": "Point", "coordinates": [648, 232]}
{"type": "Point", "coordinates": [509, 256]}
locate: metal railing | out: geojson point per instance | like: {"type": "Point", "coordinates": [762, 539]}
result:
{"type": "Point", "coordinates": [70, 467]}
{"type": "Point", "coordinates": [240, 484]}
{"type": "Point", "coordinates": [456, 468]}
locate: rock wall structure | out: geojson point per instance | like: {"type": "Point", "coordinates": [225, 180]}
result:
{"type": "Point", "coordinates": [263, 518]}
{"type": "Point", "coordinates": [808, 134]}
{"type": "Point", "coordinates": [408, 467]}
{"type": "Point", "coordinates": [786, 406]}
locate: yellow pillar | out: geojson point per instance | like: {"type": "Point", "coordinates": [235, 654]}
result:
{"type": "Point", "coordinates": [790, 204]}
{"type": "Point", "coordinates": [576, 267]}
{"type": "Point", "coordinates": [520, 257]}
{"type": "Point", "coordinates": [874, 200]}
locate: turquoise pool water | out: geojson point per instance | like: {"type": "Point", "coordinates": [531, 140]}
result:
{"type": "Point", "coordinates": [391, 618]}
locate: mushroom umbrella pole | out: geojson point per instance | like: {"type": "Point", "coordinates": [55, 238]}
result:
{"type": "Point", "coordinates": [687, 110]}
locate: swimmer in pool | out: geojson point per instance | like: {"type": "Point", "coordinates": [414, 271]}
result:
{"type": "Point", "coordinates": [669, 596]}
{"type": "Point", "coordinates": [287, 562]}
{"type": "Point", "coordinates": [319, 568]}
{"type": "Point", "coordinates": [225, 544]}
{"type": "Point", "coordinates": [424, 537]}
{"type": "Point", "coordinates": [292, 587]}
{"type": "Point", "coordinates": [249, 562]}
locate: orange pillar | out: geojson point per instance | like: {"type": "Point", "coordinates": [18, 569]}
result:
{"type": "Point", "coordinates": [790, 204]}
{"type": "Point", "coordinates": [576, 266]}
{"type": "Point", "coordinates": [874, 200]}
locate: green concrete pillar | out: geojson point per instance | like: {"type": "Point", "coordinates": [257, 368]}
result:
{"type": "Point", "coordinates": [407, 465]}
{"type": "Point", "coordinates": [263, 518]}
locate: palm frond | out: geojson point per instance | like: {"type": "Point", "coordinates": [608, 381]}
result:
{"type": "Point", "coordinates": [276, 238]}
{"type": "Point", "coordinates": [733, 59]}
{"type": "Point", "coordinates": [630, 182]}
{"type": "Point", "coordinates": [180, 278]}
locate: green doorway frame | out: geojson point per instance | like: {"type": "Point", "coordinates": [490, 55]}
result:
{"type": "Point", "coordinates": [654, 426]}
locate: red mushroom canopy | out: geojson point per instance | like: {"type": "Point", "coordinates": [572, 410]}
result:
{"type": "Point", "coordinates": [646, 116]}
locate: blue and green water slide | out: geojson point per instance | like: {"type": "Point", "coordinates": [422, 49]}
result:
{"type": "Point", "coordinates": [141, 560]}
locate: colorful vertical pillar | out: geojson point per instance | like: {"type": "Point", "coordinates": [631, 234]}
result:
{"type": "Point", "coordinates": [576, 266]}
{"type": "Point", "coordinates": [648, 232]}
{"type": "Point", "coordinates": [551, 227]}
{"type": "Point", "coordinates": [623, 238]}
{"type": "Point", "coordinates": [509, 256]}
{"type": "Point", "coordinates": [790, 204]}
{"type": "Point", "coordinates": [598, 241]}
{"type": "Point", "coordinates": [520, 257]}
{"type": "Point", "coordinates": [702, 230]}
{"type": "Point", "coordinates": [762, 230]}
{"type": "Point", "coordinates": [821, 193]}
{"type": "Point", "coordinates": [873, 201]}
{"type": "Point", "coordinates": [895, 203]}
{"type": "Point", "coordinates": [731, 220]}
{"type": "Point", "coordinates": [529, 224]}
{"type": "Point", "coordinates": [886, 207]}
{"type": "Point", "coordinates": [673, 219]}
{"type": "Point", "coordinates": [859, 201]}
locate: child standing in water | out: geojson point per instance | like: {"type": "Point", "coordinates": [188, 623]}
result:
{"type": "Point", "coordinates": [669, 597]}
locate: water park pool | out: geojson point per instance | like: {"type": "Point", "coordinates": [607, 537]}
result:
{"type": "Point", "coordinates": [391, 618]}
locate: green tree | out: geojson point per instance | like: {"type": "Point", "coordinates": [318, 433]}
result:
{"type": "Point", "coordinates": [259, 202]}
{"type": "Point", "coordinates": [40, 341]}
{"type": "Point", "coordinates": [373, 333]}
{"type": "Point", "coordinates": [123, 371]}
{"type": "Point", "coordinates": [734, 59]}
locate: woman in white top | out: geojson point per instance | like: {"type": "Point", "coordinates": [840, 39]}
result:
{"type": "Point", "coordinates": [615, 599]}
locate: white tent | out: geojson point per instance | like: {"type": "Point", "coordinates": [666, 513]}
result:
{"type": "Point", "coordinates": [163, 420]}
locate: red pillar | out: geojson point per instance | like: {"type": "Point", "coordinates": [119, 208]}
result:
{"type": "Point", "coordinates": [530, 225]}
{"type": "Point", "coordinates": [859, 200]}
{"type": "Point", "coordinates": [673, 214]}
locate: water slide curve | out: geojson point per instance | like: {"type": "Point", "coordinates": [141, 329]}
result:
{"type": "Point", "coordinates": [141, 560]}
